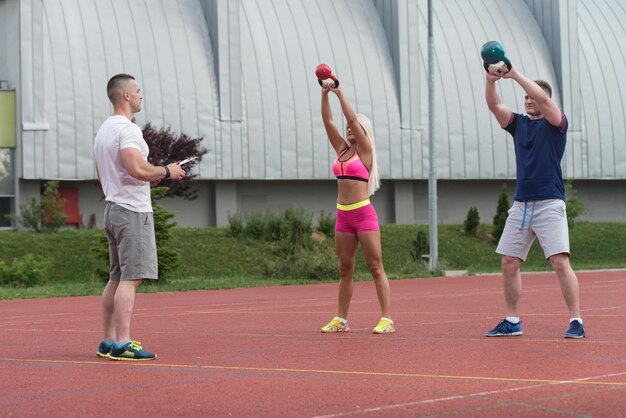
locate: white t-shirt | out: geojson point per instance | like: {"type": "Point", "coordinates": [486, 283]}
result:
{"type": "Point", "coordinates": [115, 134]}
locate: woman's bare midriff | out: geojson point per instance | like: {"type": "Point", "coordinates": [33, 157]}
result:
{"type": "Point", "coordinates": [351, 191]}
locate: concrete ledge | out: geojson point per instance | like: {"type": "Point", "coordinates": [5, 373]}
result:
{"type": "Point", "coordinates": [454, 273]}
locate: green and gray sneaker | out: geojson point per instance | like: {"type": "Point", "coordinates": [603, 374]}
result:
{"type": "Point", "coordinates": [131, 351]}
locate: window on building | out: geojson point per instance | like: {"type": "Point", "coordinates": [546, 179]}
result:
{"type": "Point", "coordinates": [7, 188]}
{"type": "Point", "coordinates": [7, 147]}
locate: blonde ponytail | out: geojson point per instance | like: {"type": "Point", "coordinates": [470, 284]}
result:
{"type": "Point", "coordinates": [374, 181]}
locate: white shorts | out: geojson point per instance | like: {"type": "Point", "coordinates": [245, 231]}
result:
{"type": "Point", "coordinates": [544, 219]}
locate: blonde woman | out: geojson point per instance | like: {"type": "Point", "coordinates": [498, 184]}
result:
{"type": "Point", "coordinates": [357, 222]}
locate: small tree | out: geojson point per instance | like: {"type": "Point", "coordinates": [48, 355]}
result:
{"type": "Point", "coordinates": [167, 147]}
{"type": "Point", "coordinates": [420, 246]}
{"type": "Point", "coordinates": [169, 257]}
{"type": "Point", "coordinates": [47, 214]}
{"type": "Point", "coordinates": [574, 205]}
{"type": "Point", "coordinates": [472, 221]}
{"type": "Point", "coordinates": [502, 212]}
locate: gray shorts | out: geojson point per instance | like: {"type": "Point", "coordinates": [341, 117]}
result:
{"type": "Point", "coordinates": [544, 219]}
{"type": "Point", "coordinates": [132, 245]}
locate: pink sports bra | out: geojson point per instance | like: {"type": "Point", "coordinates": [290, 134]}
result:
{"type": "Point", "coordinates": [352, 168]}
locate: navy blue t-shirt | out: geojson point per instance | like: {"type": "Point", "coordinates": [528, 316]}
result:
{"type": "Point", "coordinates": [539, 148]}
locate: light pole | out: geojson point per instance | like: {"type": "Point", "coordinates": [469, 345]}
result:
{"type": "Point", "coordinates": [433, 258]}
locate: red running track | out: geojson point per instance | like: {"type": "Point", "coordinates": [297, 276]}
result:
{"type": "Point", "coordinates": [259, 352]}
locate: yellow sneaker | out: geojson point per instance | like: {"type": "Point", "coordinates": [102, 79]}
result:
{"type": "Point", "coordinates": [336, 325]}
{"type": "Point", "coordinates": [385, 326]}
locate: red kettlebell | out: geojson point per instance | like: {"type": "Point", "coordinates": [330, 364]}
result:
{"type": "Point", "coordinates": [323, 72]}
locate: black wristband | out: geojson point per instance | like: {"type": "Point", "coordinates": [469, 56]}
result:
{"type": "Point", "coordinates": [167, 171]}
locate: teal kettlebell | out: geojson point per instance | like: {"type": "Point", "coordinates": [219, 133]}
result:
{"type": "Point", "coordinates": [492, 53]}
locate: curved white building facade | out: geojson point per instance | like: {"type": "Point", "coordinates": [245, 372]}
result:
{"type": "Point", "coordinates": [240, 75]}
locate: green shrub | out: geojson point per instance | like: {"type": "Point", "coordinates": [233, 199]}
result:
{"type": "Point", "coordinates": [420, 247]}
{"type": "Point", "coordinates": [472, 221]}
{"type": "Point", "coordinates": [274, 226]}
{"type": "Point", "coordinates": [30, 215]}
{"type": "Point", "coordinates": [101, 250]}
{"type": "Point", "coordinates": [299, 225]}
{"type": "Point", "coordinates": [168, 256]}
{"type": "Point", "coordinates": [319, 264]}
{"type": "Point", "coordinates": [502, 212]}
{"type": "Point", "coordinates": [574, 205]}
{"type": "Point", "coordinates": [292, 229]}
{"type": "Point", "coordinates": [235, 225]}
{"type": "Point", "coordinates": [48, 214]}
{"type": "Point", "coordinates": [297, 254]}
{"type": "Point", "coordinates": [326, 224]}
{"type": "Point", "coordinates": [27, 271]}
{"type": "Point", "coordinates": [255, 226]}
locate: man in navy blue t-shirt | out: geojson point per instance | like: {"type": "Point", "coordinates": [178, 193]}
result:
{"type": "Point", "coordinates": [539, 207]}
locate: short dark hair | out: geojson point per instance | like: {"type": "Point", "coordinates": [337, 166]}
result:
{"type": "Point", "coordinates": [115, 84]}
{"type": "Point", "coordinates": [545, 86]}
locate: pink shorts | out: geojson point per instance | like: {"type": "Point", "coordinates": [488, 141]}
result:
{"type": "Point", "coordinates": [352, 221]}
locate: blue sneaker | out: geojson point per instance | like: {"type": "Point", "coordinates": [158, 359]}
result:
{"type": "Point", "coordinates": [130, 351]}
{"type": "Point", "coordinates": [505, 329]}
{"type": "Point", "coordinates": [575, 330]}
{"type": "Point", "coordinates": [104, 349]}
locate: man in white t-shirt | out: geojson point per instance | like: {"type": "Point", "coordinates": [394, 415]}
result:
{"type": "Point", "coordinates": [121, 156]}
